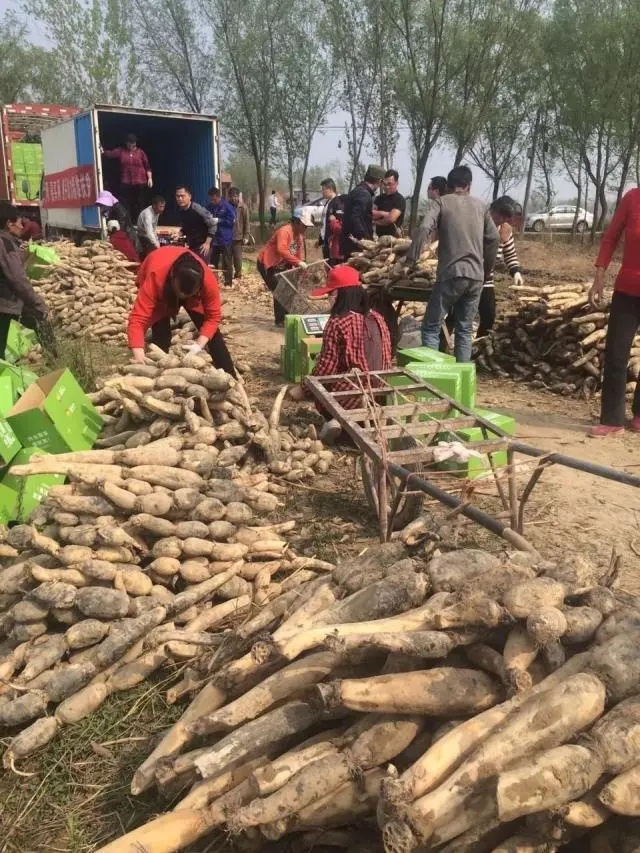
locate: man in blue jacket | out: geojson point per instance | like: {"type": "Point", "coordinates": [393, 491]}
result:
{"type": "Point", "coordinates": [222, 250]}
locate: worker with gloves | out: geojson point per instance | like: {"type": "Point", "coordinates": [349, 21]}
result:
{"type": "Point", "coordinates": [197, 224]}
{"type": "Point", "coordinates": [18, 299]}
{"type": "Point", "coordinates": [171, 278]}
{"type": "Point", "coordinates": [284, 251]}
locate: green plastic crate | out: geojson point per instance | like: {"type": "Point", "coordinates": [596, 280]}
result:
{"type": "Point", "coordinates": [448, 382]}
{"type": "Point", "coordinates": [19, 496]}
{"type": "Point", "coordinates": [439, 375]}
{"type": "Point", "coordinates": [309, 351]}
{"type": "Point", "coordinates": [476, 467]}
{"type": "Point", "coordinates": [54, 414]}
{"type": "Point", "coordinates": [423, 354]}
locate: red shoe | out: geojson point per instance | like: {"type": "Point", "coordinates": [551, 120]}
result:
{"type": "Point", "coordinates": [604, 431]}
{"type": "Point", "coordinates": [634, 424]}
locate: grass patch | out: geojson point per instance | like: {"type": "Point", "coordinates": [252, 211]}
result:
{"type": "Point", "coordinates": [86, 359]}
{"type": "Point", "coordinates": [78, 798]}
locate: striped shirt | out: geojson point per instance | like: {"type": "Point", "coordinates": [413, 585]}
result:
{"type": "Point", "coordinates": [506, 254]}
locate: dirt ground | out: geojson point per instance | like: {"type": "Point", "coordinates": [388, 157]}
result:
{"type": "Point", "coordinates": [569, 510]}
{"type": "Point", "coordinates": [77, 796]}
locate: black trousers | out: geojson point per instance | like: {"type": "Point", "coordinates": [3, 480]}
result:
{"type": "Point", "coordinates": [274, 214]}
{"type": "Point", "coordinates": [41, 326]}
{"type": "Point", "coordinates": [624, 320]}
{"type": "Point", "coordinates": [217, 348]}
{"type": "Point", "coordinates": [486, 312]}
{"type": "Point", "coordinates": [236, 250]}
{"type": "Point", "coordinates": [134, 198]}
{"type": "Point", "coordinates": [224, 254]}
{"type": "Point", "coordinates": [269, 278]}
{"type": "Point", "coordinates": [146, 247]}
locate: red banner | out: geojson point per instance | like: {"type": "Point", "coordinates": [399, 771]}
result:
{"type": "Point", "coordinates": [74, 187]}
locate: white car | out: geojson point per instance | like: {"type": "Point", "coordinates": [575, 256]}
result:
{"type": "Point", "coordinates": [316, 209]}
{"type": "Point", "coordinates": [559, 218]}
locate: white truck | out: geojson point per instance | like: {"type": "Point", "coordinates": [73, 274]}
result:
{"type": "Point", "coordinates": [183, 148]}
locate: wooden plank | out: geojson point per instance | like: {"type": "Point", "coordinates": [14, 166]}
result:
{"type": "Point", "coordinates": [424, 455]}
{"type": "Point", "coordinates": [426, 428]}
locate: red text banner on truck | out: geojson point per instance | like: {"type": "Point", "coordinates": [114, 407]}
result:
{"type": "Point", "coordinates": [182, 148]}
{"type": "Point", "coordinates": [75, 187]}
{"type": "Point", "coordinates": [21, 126]}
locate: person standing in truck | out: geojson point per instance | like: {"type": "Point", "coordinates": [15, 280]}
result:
{"type": "Point", "coordinates": [135, 174]}
{"type": "Point", "coordinates": [197, 224]}
{"type": "Point", "coordinates": [18, 299]}
{"type": "Point", "coordinates": [225, 213]}
{"type": "Point", "coordinates": [240, 230]}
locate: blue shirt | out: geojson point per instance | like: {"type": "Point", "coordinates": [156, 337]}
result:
{"type": "Point", "coordinates": [225, 213]}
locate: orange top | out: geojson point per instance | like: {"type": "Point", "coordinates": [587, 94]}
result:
{"type": "Point", "coordinates": [283, 248]}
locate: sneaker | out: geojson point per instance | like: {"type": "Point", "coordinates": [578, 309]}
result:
{"type": "Point", "coordinates": [330, 432]}
{"type": "Point", "coordinates": [634, 424]}
{"type": "Point", "coordinates": [605, 430]}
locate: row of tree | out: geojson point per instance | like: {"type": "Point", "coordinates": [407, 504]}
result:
{"type": "Point", "coordinates": [519, 88]}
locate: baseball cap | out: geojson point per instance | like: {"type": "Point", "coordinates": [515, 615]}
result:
{"type": "Point", "coordinates": [340, 276]}
{"type": "Point", "coordinates": [304, 216]}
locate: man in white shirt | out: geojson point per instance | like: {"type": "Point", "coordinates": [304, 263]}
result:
{"type": "Point", "coordinates": [273, 207]}
{"type": "Point", "coordinates": [147, 226]}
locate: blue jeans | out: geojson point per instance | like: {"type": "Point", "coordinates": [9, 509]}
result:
{"type": "Point", "coordinates": [464, 295]}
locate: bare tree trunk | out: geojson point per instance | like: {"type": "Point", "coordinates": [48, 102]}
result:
{"type": "Point", "coordinates": [305, 169]}
{"type": "Point", "coordinates": [496, 187]}
{"type": "Point", "coordinates": [527, 192]}
{"type": "Point", "coordinates": [421, 165]}
{"type": "Point", "coordinates": [574, 225]}
{"type": "Point", "coordinates": [624, 175]}
{"type": "Point", "coordinates": [292, 198]}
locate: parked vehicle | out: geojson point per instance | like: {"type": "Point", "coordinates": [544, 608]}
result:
{"type": "Point", "coordinates": [559, 218]}
{"type": "Point", "coordinates": [316, 209]}
{"type": "Point", "coordinates": [181, 147]}
{"type": "Point", "coordinates": [21, 126]}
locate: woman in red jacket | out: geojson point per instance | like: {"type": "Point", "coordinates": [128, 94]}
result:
{"type": "Point", "coordinates": [171, 278]}
{"type": "Point", "coordinates": [624, 316]}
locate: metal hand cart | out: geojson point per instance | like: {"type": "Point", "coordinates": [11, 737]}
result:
{"type": "Point", "coordinates": [396, 428]}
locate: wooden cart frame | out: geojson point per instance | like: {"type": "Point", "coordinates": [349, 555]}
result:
{"type": "Point", "coordinates": [396, 433]}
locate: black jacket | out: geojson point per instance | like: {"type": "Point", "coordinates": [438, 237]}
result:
{"type": "Point", "coordinates": [16, 290]}
{"type": "Point", "coordinates": [358, 218]}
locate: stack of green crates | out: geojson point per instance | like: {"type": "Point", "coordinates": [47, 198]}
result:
{"type": "Point", "coordinates": [457, 381]}
{"type": "Point", "coordinates": [27, 166]}
{"type": "Point", "coordinates": [299, 351]}
{"type": "Point", "coordinates": [477, 467]}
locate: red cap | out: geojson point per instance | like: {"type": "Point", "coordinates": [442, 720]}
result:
{"type": "Point", "coordinates": [341, 276]}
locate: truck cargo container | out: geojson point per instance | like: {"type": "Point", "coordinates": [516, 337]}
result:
{"type": "Point", "coordinates": [21, 126]}
{"type": "Point", "coordinates": [181, 147]}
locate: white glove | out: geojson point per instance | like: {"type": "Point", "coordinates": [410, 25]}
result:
{"type": "Point", "coordinates": [302, 265]}
{"type": "Point", "coordinates": [150, 182]}
{"type": "Point", "coordinates": [192, 349]}
{"type": "Point", "coordinates": [518, 280]}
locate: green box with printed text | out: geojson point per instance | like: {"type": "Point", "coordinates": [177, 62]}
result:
{"type": "Point", "coordinates": [19, 496]}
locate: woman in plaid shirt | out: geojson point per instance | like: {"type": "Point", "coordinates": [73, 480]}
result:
{"type": "Point", "coordinates": [355, 337]}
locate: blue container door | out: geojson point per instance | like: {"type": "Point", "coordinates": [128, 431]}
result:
{"type": "Point", "coordinates": [85, 157]}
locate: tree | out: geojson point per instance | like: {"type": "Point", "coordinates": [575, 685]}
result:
{"type": "Point", "coordinates": [485, 41]}
{"type": "Point", "coordinates": [302, 79]}
{"type": "Point", "coordinates": [422, 74]}
{"type": "Point", "coordinates": [241, 47]}
{"type": "Point", "coordinates": [349, 23]}
{"type": "Point", "coordinates": [92, 44]}
{"type": "Point", "coordinates": [13, 83]}
{"type": "Point", "coordinates": [585, 46]}
{"type": "Point", "coordinates": [175, 52]}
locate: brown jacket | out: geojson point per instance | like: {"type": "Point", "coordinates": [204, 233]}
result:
{"type": "Point", "coordinates": [241, 225]}
{"type": "Point", "coordinates": [16, 290]}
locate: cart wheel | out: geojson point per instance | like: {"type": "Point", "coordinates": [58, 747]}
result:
{"type": "Point", "coordinates": [411, 505]}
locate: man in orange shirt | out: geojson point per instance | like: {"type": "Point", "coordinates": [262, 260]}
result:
{"type": "Point", "coordinates": [284, 251]}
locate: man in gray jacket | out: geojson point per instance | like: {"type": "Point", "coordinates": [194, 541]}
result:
{"type": "Point", "coordinates": [18, 299]}
{"type": "Point", "coordinates": [466, 255]}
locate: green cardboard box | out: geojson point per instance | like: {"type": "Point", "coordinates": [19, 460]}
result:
{"type": "Point", "coordinates": [21, 377]}
{"type": "Point", "coordinates": [476, 467]}
{"type": "Point", "coordinates": [19, 496]}
{"type": "Point", "coordinates": [426, 354]}
{"type": "Point", "coordinates": [9, 444]}
{"type": "Point", "coordinates": [54, 414]}
{"type": "Point", "coordinates": [6, 395]}
{"type": "Point", "coordinates": [20, 341]}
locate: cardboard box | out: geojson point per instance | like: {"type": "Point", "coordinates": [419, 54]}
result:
{"type": "Point", "coordinates": [19, 496]}
{"type": "Point", "coordinates": [20, 379]}
{"type": "Point", "coordinates": [20, 341]}
{"type": "Point", "coordinates": [54, 414]}
{"type": "Point", "coordinates": [9, 444]}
